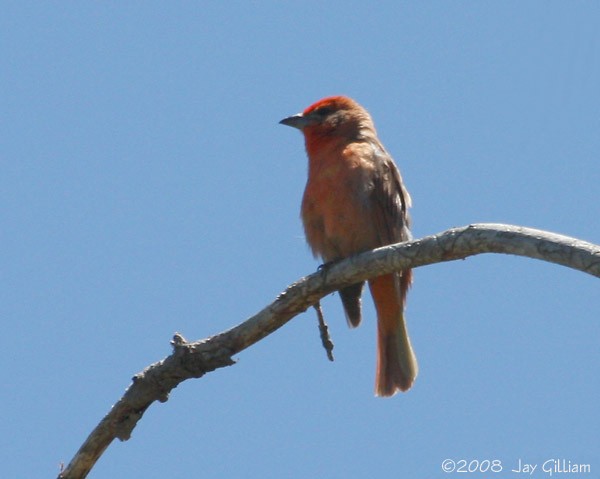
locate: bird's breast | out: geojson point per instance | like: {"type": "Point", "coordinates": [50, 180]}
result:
{"type": "Point", "coordinates": [336, 208]}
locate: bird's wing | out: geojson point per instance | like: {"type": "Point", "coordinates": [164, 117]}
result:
{"type": "Point", "coordinates": [389, 200]}
{"type": "Point", "coordinates": [389, 205]}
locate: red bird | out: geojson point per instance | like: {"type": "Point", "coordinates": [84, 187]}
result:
{"type": "Point", "coordinates": [355, 201]}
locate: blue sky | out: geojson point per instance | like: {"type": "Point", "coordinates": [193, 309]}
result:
{"type": "Point", "coordinates": [146, 188]}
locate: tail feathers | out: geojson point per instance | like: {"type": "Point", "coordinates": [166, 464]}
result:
{"type": "Point", "coordinates": [352, 304]}
{"type": "Point", "coordinates": [397, 366]}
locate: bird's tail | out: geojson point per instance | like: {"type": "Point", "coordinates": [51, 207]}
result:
{"type": "Point", "coordinates": [351, 301]}
{"type": "Point", "coordinates": [396, 362]}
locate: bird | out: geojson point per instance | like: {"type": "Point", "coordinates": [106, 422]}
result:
{"type": "Point", "coordinates": [354, 201]}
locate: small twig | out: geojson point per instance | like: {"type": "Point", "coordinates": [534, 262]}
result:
{"type": "Point", "coordinates": [324, 331]}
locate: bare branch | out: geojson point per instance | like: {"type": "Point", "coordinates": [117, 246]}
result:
{"type": "Point", "coordinates": [324, 332]}
{"type": "Point", "coordinates": [193, 360]}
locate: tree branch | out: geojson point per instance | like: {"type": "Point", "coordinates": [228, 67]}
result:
{"type": "Point", "coordinates": [193, 360]}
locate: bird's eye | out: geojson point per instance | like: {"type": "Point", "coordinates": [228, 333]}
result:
{"type": "Point", "coordinates": [323, 111]}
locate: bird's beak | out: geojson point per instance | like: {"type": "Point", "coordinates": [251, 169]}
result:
{"type": "Point", "coordinates": [297, 121]}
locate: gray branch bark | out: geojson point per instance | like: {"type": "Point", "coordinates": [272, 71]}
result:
{"type": "Point", "coordinates": [194, 359]}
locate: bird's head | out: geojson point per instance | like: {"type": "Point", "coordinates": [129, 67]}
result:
{"type": "Point", "coordinates": [335, 116]}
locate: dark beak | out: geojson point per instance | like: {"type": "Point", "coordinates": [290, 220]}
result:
{"type": "Point", "coordinates": [297, 121]}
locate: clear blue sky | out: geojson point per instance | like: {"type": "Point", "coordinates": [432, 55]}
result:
{"type": "Point", "coordinates": [146, 188]}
